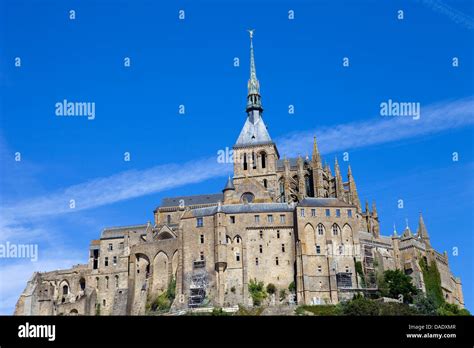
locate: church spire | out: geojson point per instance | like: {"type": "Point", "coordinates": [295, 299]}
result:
{"type": "Point", "coordinates": [317, 171]}
{"type": "Point", "coordinates": [422, 232]}
{"type": "Point", "coordinates": [253, 97]}
{"type": "Point", "coordinates": [254, 131]}
{"type": "Point", "coordinates": [353, 189]}
{"type": "Point", "coordinates": [339, 184]}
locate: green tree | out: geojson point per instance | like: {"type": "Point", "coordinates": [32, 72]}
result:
{"type": "Point", "coordinates": [396, 283]}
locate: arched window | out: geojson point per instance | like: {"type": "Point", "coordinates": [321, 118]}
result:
{"type": "Point", "coordinates": [307, 184]}
{"type": "Point", "coordinates": [282, 190]}
{"type": "Point", "coordinates": [65, 290]}
{"type": "Point", "coordinates": [254, 161]}
{"type": "Point", "coordinates": [263, 158]}
{"type": "Point", "coordinates": [320, 229]}
{"type": "Point", "coordinates": [335, 230]}
{"type": "Point", "coordinates": [247, 197]}
{"type": "Point", "coordinates": [245, 161]}
{"type": "Point", "coordinates": [82, 284]}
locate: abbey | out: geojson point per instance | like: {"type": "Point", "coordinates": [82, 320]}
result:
{"type": "Point", "coordinates": [278, 220]}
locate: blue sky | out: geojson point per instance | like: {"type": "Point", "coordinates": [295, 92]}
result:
{"type": "Point", "coordinates": [190, 62]}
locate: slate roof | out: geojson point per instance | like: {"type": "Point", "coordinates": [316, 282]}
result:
{"type": "Point", "coordinates": [254, 132]}
{"type": "Point", "coordinates": [119, 231]}
{"type": "Point", "coordinates": [323, 202]}
{"type": "Point", "coordinates": [192, 200]}
{"type": "Point", "coordinates": [244, 208]}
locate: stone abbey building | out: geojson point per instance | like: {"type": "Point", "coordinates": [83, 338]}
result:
{"type": "Point", "coordinates": [277, 221]}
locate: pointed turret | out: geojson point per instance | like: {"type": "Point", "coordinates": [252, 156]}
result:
{"type": "Point", "coordinates": [317, 171]}
{"type": "Point", "coordinates": [353, 189]}
{"type": "Point", "coordinates": [374, 210]}
{"type": "Point", "coordinates": [407, 233]}
{"type": "Point", "coordinates": [422, 232]}
{"type": "Point", "coordinates": [229, 185]}
{"type": "Point", "coordinates": [339, 184]}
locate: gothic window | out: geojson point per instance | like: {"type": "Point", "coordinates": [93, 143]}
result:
{"type": "Point", "coordinates": [320, 229]}
{"type": "Point", "coordinates": [247, 197]}
{"type": "Point", "coordinates": [245, 161]}
{"type": "Point", "coordinates": [263, 158]}
{"type": "Point", "coordinates": [65, 290]}
{"type": "Point", "coordinates": [237, 239]}
{"type": "Point", "coordinates": [307, 184]}
{"type": "Point", "coordinates": [335, 230]}
{"type": "Point", "coordinates": [282, 190]}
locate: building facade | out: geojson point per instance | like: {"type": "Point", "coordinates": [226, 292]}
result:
{"type": "Point", "coordinates": [278, 221]}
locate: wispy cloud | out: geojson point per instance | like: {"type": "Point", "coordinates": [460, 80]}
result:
{"type": "Point", "coordinates": [434, 119]}
{"type": "Point", "coordinates": [453, 14]}
{"type": "Point", "coordinates": [14, 276]}
{"type": "Point", "coordinates": [135, 183]}
{"type": "Point", "coordinates": [22, 220]}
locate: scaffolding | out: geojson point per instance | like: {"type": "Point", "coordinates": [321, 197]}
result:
{"type": "Point", "coordinates": [369, 270]}
{"type": "Point", "coordinates": [198, 284]}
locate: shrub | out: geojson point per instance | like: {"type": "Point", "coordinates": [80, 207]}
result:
{"type": "Point", "coordinates": [271, 289]}
{"type": "Point", "coordinates": [257, 292]}
{"type": "Point", "coordinates": [292, 287]}
{"type": "Point", "coordinates": [282, 294]}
